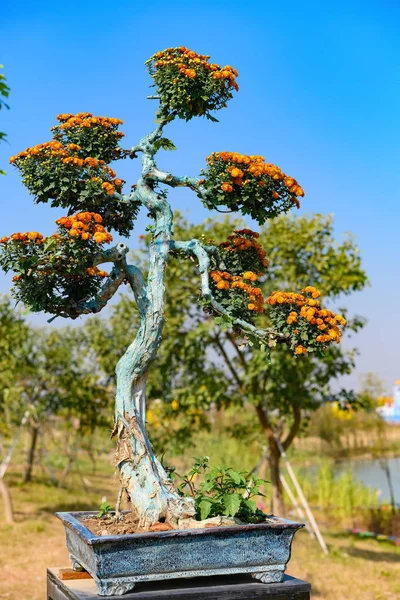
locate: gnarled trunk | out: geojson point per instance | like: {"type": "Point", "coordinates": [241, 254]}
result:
{"type": "Point", "coordinates": [148, 486]}
{"type": "Point", "coordinates": [144, 479]}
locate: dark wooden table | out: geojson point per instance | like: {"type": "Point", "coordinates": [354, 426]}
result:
{"type": "Point", "coordinates": [232, 587]}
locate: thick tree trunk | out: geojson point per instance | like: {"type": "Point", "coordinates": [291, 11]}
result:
{"type": "Point", "coordinates": [31, 454]}
{"type": "Point", "coordinates": [145, 481]}
{"type": "Point", "coordinates": [278, 504]}
{"type": "Point", "coordinates": [147, 485]}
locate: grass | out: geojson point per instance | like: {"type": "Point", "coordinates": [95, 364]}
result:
{"type": "Point", "coordinates": [360, 569]}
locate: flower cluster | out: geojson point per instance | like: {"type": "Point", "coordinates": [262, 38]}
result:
{"type": "Point", "coordinates": [98, 136]}
{"type": "Point", "coordinates": [96, 272]}
{"type": "Point", "coordinates": [28, 236]}
{"type": "Point", "coordinates": [57, 273]}
{"type": "Point", "coordinates": [86, 225]}
{"type": "Point", "coordinates": [237, 293]}
{"type": "Point", "coordinates": [71, 171]}
{"type": "Point", "coordinates": [249, 184]}
{"type": "Point", "coordinates": [301, 316]}
{"type": "Point", "coordinates": [188, 84]}
{"type": "Point", "coordinates": [68, 156]}
{"type": "Point", "coordinates": [243, 252]}
{"type": "Point", "coordinates": [86, 119]}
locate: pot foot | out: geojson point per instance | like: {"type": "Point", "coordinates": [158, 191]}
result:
{"type": "Point", "coordinates": [75, 564]}
{"type": "Point", "coordinates": [273, 576]}
{"type": "Point", "coordinates": [114, 587]}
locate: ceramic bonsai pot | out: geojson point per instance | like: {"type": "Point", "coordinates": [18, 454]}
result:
{"type": "Point", "coordinates": [118, 562]}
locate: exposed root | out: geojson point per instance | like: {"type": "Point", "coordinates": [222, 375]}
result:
{"type": "Point", "coordinates": [150, 490]}
{"type": "Point", "coordinates": [118, 505]}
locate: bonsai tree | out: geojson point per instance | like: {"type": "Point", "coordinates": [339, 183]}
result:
{"type": "Point", "coordinates": [60, 274]}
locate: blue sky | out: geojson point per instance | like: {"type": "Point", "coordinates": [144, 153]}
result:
{"type": "Point", "coordinates": [319, 94]}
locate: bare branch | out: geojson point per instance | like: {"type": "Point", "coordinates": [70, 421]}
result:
{"type": "Point", "coordinates": [295, 425]}
{"type": "Point", "coordinates": [174, 181]}
{"type": "Point", "coordinates": [124, 198]}
{"type": "Point", "coordinates": [195, 248]}
{"type": "Point", "coordinates": [114, 254]}
{"type": "Point", "coordinates": [227, 360]}
{"type": "Point", "coordinates": [107, 291]}
{"type": "Point", "coordinates": [242, 359]}
{"type": "Point", "coordinates": [136, 280]}
{"type": "Point", "coordinates": [132, 273]}
{"type": "Point", "coordinates": [147, 142]}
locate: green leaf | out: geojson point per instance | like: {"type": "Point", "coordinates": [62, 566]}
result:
{"type": "Point", "coordinates": [236, 477]}
{"type": "Point", "coordinates": [251, 505]}
{"type": "Point", "coordinates": [207, 486]}
{"type": "Point", "coordinates": [205, 508]}
{"type": "Point", "coordinates": [49, 244]}
{"type": "Point", "coordinates": [165, 144]}
{"type": "Point", "coordinates": [232, 504]}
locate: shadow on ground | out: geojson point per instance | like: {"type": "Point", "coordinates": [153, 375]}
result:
{"type": "Point", "coordinates": [375, 556]}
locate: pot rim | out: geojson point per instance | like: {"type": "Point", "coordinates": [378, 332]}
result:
{"type": "Point", "coordinates": [71, 521]}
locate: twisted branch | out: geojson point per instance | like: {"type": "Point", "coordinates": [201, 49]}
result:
{"type": "Point", "coordinates": [195, 248]}
{"type": "Point", "coordinates": [120, 273]}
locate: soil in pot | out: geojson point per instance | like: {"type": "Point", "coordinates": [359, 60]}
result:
{"type": "Point", "coordinates": [128, 523]}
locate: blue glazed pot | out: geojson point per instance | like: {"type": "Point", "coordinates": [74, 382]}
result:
{"type": "Point", "coordinates": [118, 562]}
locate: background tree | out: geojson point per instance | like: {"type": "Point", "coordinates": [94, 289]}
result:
{"type": "Point", "coordinates": [200, 364]}
{"type": "Point", "coordinates": [50, 374]}
{"type": "Point", "coordinates": [60, 274]}
{"type": "Point", "coordinates": [14, 355]}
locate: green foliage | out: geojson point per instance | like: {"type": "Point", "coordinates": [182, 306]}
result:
{"type": "Point", "coordinates": [223, 491]}
{"type": "Point", "coordinates": [52, 274]}
{"type": "Point", "coordinates": [188, 85]}
{"type": "Point", "coordinates": [15, 345]}
{"type": "Point", "coordinates": [341, 496]}
{"type": "Point", "coordinates": [164, 143]}
{"type": "Point", "coordinates": [248, 184]}
{"type": "Point", "coordinates": [4, 92]}
{"type": "Point", "coordinates": [48, 372]}
{"type": "Point", "coordinates": [303, 251]}
{"type": "Point", "coordinates": [67, 177]}
{"type": "Point", "coordinates": [105, 508]}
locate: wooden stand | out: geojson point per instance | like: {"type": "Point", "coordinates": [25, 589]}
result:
{"type": "Point", "coordinates": [65, 584]}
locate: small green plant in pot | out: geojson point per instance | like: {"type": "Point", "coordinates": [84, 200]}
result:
{"type": "Point", "coordinates": [223, 491]}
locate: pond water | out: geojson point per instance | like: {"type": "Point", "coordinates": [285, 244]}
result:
{"type": "Point", "coordinates": [370, 472]}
